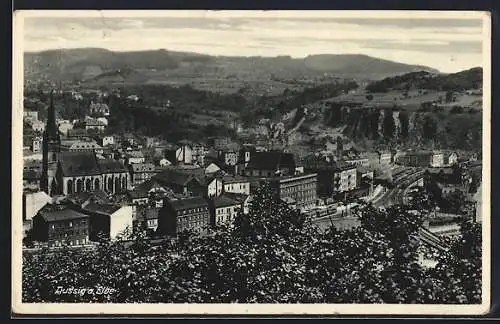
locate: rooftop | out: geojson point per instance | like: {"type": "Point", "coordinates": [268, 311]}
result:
{"type": "Point", "coordinates": [190, 202]}
{"type": "Point", "coordinates": [271, 160]}
{"type": "Point", "coordinates": [60, 215]}
{"type": "Point", "coordinates": [224, 201]}
{"type": "Point", "coordinates": [142, 167]}
{"type": "Point", "coordinates": [107, 209]}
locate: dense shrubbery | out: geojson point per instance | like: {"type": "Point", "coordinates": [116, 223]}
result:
{"type": "Point", "coordinates": [272, 255]}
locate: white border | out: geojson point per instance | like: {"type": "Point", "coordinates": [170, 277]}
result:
{"type": "Point", "coordinates": [242, 309]}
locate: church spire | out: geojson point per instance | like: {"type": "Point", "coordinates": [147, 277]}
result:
{"type": "Point", "coordinates": [51, 127]}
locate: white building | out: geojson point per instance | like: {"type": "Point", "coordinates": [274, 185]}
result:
{"type": "Point", "coordinates": [236, 184]}
{"type": "Point", "coordinates": [33, 202]}
{"type": "Point", "coordinates": [108, 140]}
{"type": "Point", "coordinates": [225, 210]}
{"type": "Point", "coordinates": [215, 187]}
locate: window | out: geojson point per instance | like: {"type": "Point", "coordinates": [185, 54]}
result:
{"type": "Point", "coordinates": [52, 226]}
{"type": "Point", "coordinates": [70, 224]}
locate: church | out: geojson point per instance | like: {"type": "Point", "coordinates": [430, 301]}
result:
{"type": "Point", "coordinates": [66, 173]}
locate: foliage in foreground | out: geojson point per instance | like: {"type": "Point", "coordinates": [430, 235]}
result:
{"type": "Point", "coordinates": [272, 255]}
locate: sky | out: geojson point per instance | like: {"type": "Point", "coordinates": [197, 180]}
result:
{"type": "Point", "coordinates": [449, 43]}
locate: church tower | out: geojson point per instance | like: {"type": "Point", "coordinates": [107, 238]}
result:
{"type": "Point", "coordinates": [51, 151]}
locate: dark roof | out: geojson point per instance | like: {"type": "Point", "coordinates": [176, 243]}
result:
{"type": "Point", "coordinates": [239, 198]}
{"type": "Point", "coordinates": [111, 166]}
{"type": "Point", "coordinates": [63, 214]}
{"type": "Point", "coordinates": [234, 179]}
{"type": "Point", "coordinates": [152, 213]}
{"type": "Point", "coordinates": [142, 167]}
{"type": "Point", "coordinates": [224, 201]}
{"type": "Point", "coordinates": [174, 177]}
{"type": "Point", "coordinates": [138, 194]}
{"type": "Point", "coordinates": [79, 163]}
{"type": "Point", "coordinates": [271, 160]}
{"type": "Point", "coordinates": [31, 175]}
{"type": "Point", "coordinates": [107, 209]}
{"type": "Point", "coordinates": [97, 195]}
{"type": "Point", "coordinates": [190, 202]}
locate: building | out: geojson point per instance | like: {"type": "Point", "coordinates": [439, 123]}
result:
{"type": "Point", "coordinates": [100, 109]}
{"type": "Point", "coordinates": [108, 140]}
{"type": "Point", "coordinates": [236, 184]}
{"type": "Point", "coordinates": [64, 126]}
{"type": "Point", "coordinates": [135, 157]}
{"type": "Point", "coordinates": [333, 177]}
{"type": "Point", "coordinates": [95, 124]}
{"type": "Point", "coordinates": [85, 146]}
{"type": "Point", "coordinates": [214, 186]}
{"type": "Point", "coordinates": [31, 180]}
{"type": "Point", "coordinates": [358, 162]}
{"type": "Point", "coordinates": [384, 157]}
{"type": "Point", "coordinates": [37, 125]}
{"type": "Point", "coordinates": [37, 143]}
{"type": "Point", "coordinates": [83, 172]}
{"type": "Point", "coordinates": [151, 218]}
{"type": "Point", "coordinates": [183, 154]}
{"type": "Point", "coordinates": [33, 203]}
{"type": "Point", "coordinates": [59, 225]}
{"type": "Point", "coordinates": [451, 158]}
{"type": "Point", "coordinates": [198, 154]}
{"type": "Point", "coordinates": [242, 199]}
{"type": "Point", "coordinates": [140, 172]}
{"type": "Point", "coordinates": [30, 116]}
{"type": "Point", "coordinates": [212, 168]}
{"type": "Point", "coordinates": [51, 151]}
{"type": "Point", "coordinates": [229, 157]}
{"type": "Point", "coordinates": [109, 220]}
{"type": "Point", "coordinates": [422, 159]}
{"type": "Point", "coordinates": [177, 216]}
{"type": "Point", "coordinates": [223, 210]}
{"type": "Point", "coordinates": [301, 189]}
{"type": "Point", "coordinates": [270, 164]}
{"type": "Point", "coordinates": [181, 182]}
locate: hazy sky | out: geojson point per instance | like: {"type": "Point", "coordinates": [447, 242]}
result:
{"type": "Point", "coordinates": [448, 44]}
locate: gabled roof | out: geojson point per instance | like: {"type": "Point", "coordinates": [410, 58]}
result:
{"type": "Point", "coordinates": [106, 209]}
{"type": "Point", "coordinates": [224, 201]}
{"type": "Point", "coordinates": [174, 177]}
{"type": "Point", "coordinates": [60, 215]}
{"type": "Point", "coordinates": [191, 202]}
{"type": "Point", "coordinates": [96, 196]}
{"type": "Point", "coordinates": [271, 160]}
{"type": "Point", "coordinates": [234, 179]}
{"type": "Point", "coordinates": [111, 166]}
{"type": "Point", "coordinates": [79, 163]}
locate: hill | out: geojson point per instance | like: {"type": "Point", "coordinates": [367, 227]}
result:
{"type": "Point", "coordinates": [464, 80]}
{"type": "Point", "coordinates": [220, 73]}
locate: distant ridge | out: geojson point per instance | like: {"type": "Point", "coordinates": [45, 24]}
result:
{"type": "Point", "coordinates": [88, 63]}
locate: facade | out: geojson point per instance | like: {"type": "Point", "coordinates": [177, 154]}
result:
{"type": "Point", "coordinates": [451, 158]}
{"type": "Point", "coordinates": [37, 143]}
{"type": "Point", "coordinates": [108, 219]}
{"type": "Point", "coordinates": [152, 218]}
{"type": "Point", "coordinates": [30, 115]}
{"type": "Point", "coordinates": [384, 157]}
{"type": "Point", "coordinates": [95, 124]}
{"type": "Point", "coordinates": [181, 155]}
{"type": "Point", "coordinates": [37, 126]}
{"type": "Point", "coordinates": [345, 178]}
{"type": "Point", "coordinates": [177, 216]}
{"type": "Point", "coordinates": [359, 162]}
{"type": "Point", "coordinates": [99, 109]}
{"type": "Point", "coordinates": [33, 203]}
{"type": "Point", "coordinates": [422, 159]}
{"type": "Point", "coordinates": [236, 184]}
{"type": "Point", "coordinates": [333, 177]}
{"type": "Point", "coordinates": [59, 225]}
{"type": "Point", "coordinates": [301, 189]}
{"type": "Point", "coordinates": [215, 187]}
{"type": "Point", "coordinates": [108, 140]}
{"type": "Point", "coordinates": [223, 210]}
{"type": "Point", "coordinates": [140, 172]}
{"type": "Point", "coordinates": [270, 164]}
{"type": "Point", "coordinates": [135, 157]}
{"type": "Point", "coordinates": [229, 157]}
{"type": "Point", "coordinates": [198, 153]}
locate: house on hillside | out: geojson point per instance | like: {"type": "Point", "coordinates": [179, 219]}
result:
{"type": "Point", "coordinates": [181, 183]}
{"type": "Point", "coordinates": [270, 163]}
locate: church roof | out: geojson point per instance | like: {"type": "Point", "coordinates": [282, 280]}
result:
{"type": "Point", "coordinates": [79, 164]}
{"type": "Point", "coordinates": [75, 164]}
